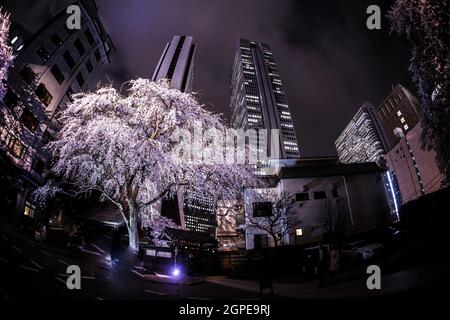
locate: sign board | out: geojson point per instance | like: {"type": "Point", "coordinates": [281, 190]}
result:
{"type": "Point", "coordinates": [164, 254]}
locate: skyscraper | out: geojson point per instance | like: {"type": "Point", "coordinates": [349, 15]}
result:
{"type": "Point", "coordinates": [363, 139]}
{"type": "Point", "coordinates": [400, 109]}
{"type": "Point", "coordinates": [177, 63]}
{"type": "Point", "coordinates": [49, 67]}
{"type": "Point", "coordinates": [258, 99]}
{"type": "Point", "coordinates": [190, 210]}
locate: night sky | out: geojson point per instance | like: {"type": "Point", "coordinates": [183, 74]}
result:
{"type": "Point", "coordinates": [328, 60]}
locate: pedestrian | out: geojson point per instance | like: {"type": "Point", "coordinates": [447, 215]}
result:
{"type": "Point", "coordinates": [43, 233]}
{"type": "Point", "coordinates": [324, 264]}
{"type": "Point", "coordinates": [334, 262]}
{"type": "Point", "coordinates": [265, 280]}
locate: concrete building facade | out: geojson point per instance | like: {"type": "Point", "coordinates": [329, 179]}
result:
{"type": "Point", "coordinates": [177, 63]}
{"type": "Point", "coordinates": [258, 99]}
{"type": "Point", "coordinates": [400, 109]}
{"type": "Point", "coordinates": [363, 139]}
{"type": "Point", "coordinates": [323, 186]}
{"type": "Point", "coordinates": [50, 66]}
{"type": "Point", "coordinates": [416, 170]}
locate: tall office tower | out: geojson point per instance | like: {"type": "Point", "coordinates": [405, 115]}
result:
{"type": "Point", "coordinates": [200, 213]}
{"type": "Point", "coordinates": [363, 139]}
{"type": "Point", "coordinates": [177, 63]}
{"type": "Point", "coordinates": [258, 100]}
{"type": "Point", "coordinates": [399, 109]}
{"type": "Point", "coordinates": [49, 67]}
{"type": "Point", "coordinates": [190, 210]}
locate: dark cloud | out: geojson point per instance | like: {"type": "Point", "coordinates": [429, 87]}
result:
{"type": "Point", "coordinates": [329, 61]}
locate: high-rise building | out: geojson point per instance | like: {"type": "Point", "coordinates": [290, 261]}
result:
{"type": "Point", "coordinates": [391, 133]}
{"type": "Point", "coordinates": [363, 139]}
{"type": "Point", "coordinates": [50, 66]}
{"type": "Point", "coordinates": [258, 99]}
{"type": "Point", "coordinates": [416, 170]}
{"type": "Point", "coordinates": [177, 63]}
{"type": "Point", "coordinates": [400, 109]}
{"type": "Point", "coordinates": [200, 213]}
{"type": "Point", "coordinates": [192, 211]}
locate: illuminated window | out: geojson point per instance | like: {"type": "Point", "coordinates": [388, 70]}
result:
{"type": "Point", "coordinates": [402, 120]}
{"type": "Point", "coordinates": [399, 113]}
{"type": "Point", "coordinates": [299, 232]}
{"type": "Point", "coordinates": [14, 145]}
{"type": "Point", "coordinates": [406, 127]}
{"type": "Point", "coordinates": [29, 210]}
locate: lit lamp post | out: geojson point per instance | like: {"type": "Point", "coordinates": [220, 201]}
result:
{"type": "Point", "coordinates": [176, 271]}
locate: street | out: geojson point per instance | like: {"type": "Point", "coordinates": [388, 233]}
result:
{"type": "Point", "coordinates": [31, 271]}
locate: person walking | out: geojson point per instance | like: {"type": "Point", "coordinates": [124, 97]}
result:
{"type": "Point", "coordinates": [324, 264]}
{"type": "Point", "coordinates": [334, 262]}
{"type": "Point", "coordinates": [265, 280]}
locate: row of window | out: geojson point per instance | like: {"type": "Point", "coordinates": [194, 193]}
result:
{"type": "Point", "coordinates": [390, 104]}
{"type": "Point", "coordinates": [41, 91]}
{"type": "Point", "coordinates": [56, 40]}
{"type": "Point", "coordinates": [14, 145]}
{"type": "Point", "coordinates": [317, 195]}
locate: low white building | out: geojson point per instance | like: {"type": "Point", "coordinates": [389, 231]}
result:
{"type": "Point", "coordinates": [319, 187]}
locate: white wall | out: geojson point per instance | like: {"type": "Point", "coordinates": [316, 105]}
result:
{"type": "Point", "coordinates": [360, 194]}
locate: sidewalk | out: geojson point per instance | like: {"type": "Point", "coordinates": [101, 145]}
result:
{"type": "Point", "coordinates": [11, 231]}
{"type": "Point", "coordinates": [393, 283]}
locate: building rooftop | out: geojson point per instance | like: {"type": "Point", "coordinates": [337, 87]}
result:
{"type": "Point", "coordinates": [322, 167]}
{"type": "Point", "coordinates": [191, 236]}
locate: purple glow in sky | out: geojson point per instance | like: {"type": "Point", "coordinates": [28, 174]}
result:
{"type": "Point", "coordinates": [328, 60]}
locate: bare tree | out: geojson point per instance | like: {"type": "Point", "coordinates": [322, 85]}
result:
{"type": "Point", "coordinates": [282, 218]}
{"type": "Point", "coordinates": [333, 218]}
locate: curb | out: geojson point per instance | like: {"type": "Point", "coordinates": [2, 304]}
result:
{"type": "Point", "coordinates": [168, 279]}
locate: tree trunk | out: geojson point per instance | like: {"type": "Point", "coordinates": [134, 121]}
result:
{"type": "Point", "coordinates": [275, 241]}
{"type": "Point", "coordinates": [133, 230]}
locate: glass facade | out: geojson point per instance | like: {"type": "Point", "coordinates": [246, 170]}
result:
{"type": "Point", "coordinates": [257, 97]}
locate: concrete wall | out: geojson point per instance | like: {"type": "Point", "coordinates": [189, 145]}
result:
{"type": "Point", "coordinates": [403, 159]}
{"type": "Point", "coordinates": [361, 196]}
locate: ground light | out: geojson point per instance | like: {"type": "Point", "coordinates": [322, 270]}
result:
{"type": "Point", "coordinates": [175, 272]}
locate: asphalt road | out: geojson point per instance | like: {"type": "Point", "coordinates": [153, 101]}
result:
{"type": "Point", "coordinates": [31, 271]}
